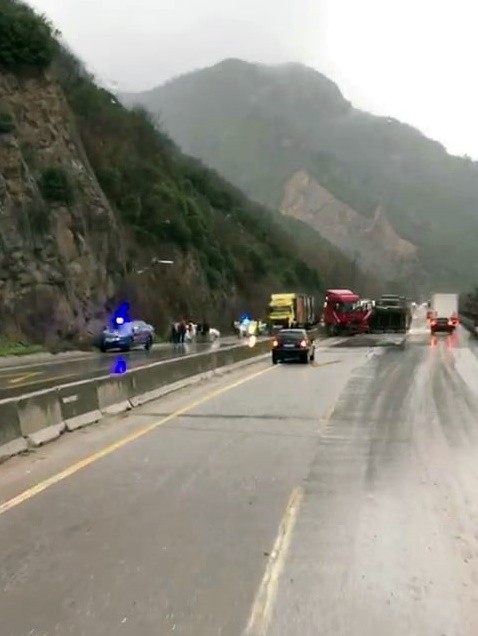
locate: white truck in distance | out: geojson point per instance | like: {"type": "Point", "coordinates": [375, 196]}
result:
{"type": "Point", "coordinates": [444, 313]}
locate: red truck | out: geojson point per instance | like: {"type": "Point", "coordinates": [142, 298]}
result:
{"type": "Point", "coordinates": [344, 314]}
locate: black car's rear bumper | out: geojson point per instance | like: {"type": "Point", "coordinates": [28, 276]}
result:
{"type": "Point", "coordinates": [445, 328]}
{"type": "Point", "coordinates": [290, 354]}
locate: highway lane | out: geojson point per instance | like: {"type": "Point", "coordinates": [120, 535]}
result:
{"type": "Point", "coordinates": [22, 377]}
{"type": "Point", "coordinates": [387, 538]}
{"type": "Point", "coordinates": [172, 531]}
{"type": "Point", "coordinates": [340, 498]}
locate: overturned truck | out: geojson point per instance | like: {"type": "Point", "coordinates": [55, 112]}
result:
{"type": "Point", "coordinates": [391, 314]}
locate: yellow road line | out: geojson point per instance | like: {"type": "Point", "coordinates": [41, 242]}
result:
{"type": "Point", "coordinates": [266, 596]}
{"type": "Point", "coordinates": [46, 380]}
{"type": "Point", "coordinates": [18, 379]}
{"type": "Point", "coordinates": [5, 376]}
{"type": "Point", "coordinates": [74, 468]}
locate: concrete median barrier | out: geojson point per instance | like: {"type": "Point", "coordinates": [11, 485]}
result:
{"type": "Point", "coordinates": [79, 404]}
{"type": "Point", "coordinates": [11, 440]}
{"type": "Point", "coordinates": [40, 417]}
{"type": "Point", "coordinates": [114, 395]}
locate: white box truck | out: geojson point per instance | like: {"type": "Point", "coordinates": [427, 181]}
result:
{"type": "Point", "coordinates": [444, 313]}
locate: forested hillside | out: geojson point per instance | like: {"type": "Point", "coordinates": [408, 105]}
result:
{"type": "Point", "coordinates": [90, 192]}
{"type": "Point", "coordinates": [260, 125]}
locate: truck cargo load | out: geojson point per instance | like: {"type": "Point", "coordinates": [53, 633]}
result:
{"type": "Point", "coordinates": [391, 314]}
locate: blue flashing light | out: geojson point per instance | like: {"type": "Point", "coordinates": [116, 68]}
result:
{"type": "Point", "coordinates": [245, 320]}
{"type": "Point", "coordinates": [121, 315]}
{"type": "Point", "coordinates": [119, 367]}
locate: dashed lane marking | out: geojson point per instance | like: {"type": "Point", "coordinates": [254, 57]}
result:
{"type": "Point", "coordinates": [264, 603]}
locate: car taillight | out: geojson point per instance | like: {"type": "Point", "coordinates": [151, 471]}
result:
{"type": "Point", "coordinates": [303, 343]}
{"type": "Point", "coordinates": [434, 322]}
{"type": "Point", "coordinates": [275, 343]}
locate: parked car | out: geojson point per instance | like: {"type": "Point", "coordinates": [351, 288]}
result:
{"type": "Point", "coordinates": [293, 344]}
{"type": "Point", "coordinates": [126, 336]}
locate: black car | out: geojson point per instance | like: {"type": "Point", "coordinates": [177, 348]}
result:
{"type": "Point", "coordinates": [127, 336]}
{"type": "Point", "coordinates": [443, 324]}
{"type": "Point", "coordinates": [293, 344]}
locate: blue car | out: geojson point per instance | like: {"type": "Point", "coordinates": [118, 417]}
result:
{"type": "Point", "coordinates": [128, 335]}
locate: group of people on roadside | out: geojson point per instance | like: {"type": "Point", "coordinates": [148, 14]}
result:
{"type": "Point", "coordinates": [186, 331]}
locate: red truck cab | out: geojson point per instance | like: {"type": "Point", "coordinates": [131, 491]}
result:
{"type": "Point", "coordinates": [343, 313]}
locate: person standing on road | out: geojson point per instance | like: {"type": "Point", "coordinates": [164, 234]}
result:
{"type": "Point", "coordinates": [182, 331]}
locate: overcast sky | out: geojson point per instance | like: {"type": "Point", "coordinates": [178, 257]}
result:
{"type": "Point", "coordinates": [409, 59]}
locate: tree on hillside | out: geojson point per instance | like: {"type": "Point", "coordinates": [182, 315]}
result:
{"type": "Point", "coordinates": [26, 39]}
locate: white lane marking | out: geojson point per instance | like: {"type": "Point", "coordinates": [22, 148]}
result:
{"type": "Point", "coordinates": [264, 602]}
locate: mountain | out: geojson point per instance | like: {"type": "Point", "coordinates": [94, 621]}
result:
{"type": "Point", "coordinates": [91, 193]}
{"type": "Point", "coordinates": [261, 125]}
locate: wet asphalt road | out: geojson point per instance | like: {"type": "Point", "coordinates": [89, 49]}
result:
{"type": "Point", "coordinates": [22, 377]}
{"type": "Point", "coordinates": [174, 532]}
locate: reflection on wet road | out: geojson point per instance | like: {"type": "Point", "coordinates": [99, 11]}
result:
{"type": "Point", "coordinates": [387, 542]}
{"type": "Point", "coordinates": [336, 499]}
{"type": "Point", "coordinates": [23, 378]}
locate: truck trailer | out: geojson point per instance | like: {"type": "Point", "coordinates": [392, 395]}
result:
{"type": "Point", "coordinates": [443, 313]}
{"type": "Point", "coordinates": [291, 310]}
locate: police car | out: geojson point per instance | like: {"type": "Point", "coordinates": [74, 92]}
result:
{"type": "Point", "coordinates": [127, 335]}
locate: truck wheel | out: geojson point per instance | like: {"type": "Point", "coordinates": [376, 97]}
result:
{"type": "Point", "coordinates": [274, 359]}
{"type": "Point", "coordinates": [148, 344]}
{"type": "Point", "coordinates": [305, 358]}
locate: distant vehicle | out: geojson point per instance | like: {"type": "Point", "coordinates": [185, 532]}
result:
{"type": "Point", "coordinates": [444, 313]}
{"type": "Point", "coordinates": [127, 335]}
{"type": "Point", "coordinates": [291, 311]}
{"type": "Point", "coordinates": [293, 344]}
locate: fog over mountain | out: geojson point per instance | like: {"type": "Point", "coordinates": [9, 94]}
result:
{"type": "Point", "coordinates": [413, 61]}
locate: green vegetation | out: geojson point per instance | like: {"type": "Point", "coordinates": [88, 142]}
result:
{"type": "Point", "coordinates": [55, 185]}
{"type": "Point", "coordinates": [26, 39]}
{"type": "Point", "coordinates": [7, 123]}
{"type": "Point", "coordinates": [469, 304]}
{"type": "Point", "coordinates": [19, 349]}
{"type": "Point", "coordinates": [231, 252]}
{"type": "Point", "coordinates": [258, 125]}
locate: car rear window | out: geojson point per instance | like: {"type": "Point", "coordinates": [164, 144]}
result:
{"type": "Point", "coordinates": [292, 335]}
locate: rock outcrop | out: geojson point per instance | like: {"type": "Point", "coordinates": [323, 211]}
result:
{"type": "Point", "coordinates": [372, 242]}
{"type": "Point", "coordinates": [58, 262]}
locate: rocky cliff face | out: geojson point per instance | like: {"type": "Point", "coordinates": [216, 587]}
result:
{"type": "Point", "coordinates": [373, 242]}
{"type": "Point", "coordinates": [58, 263]}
